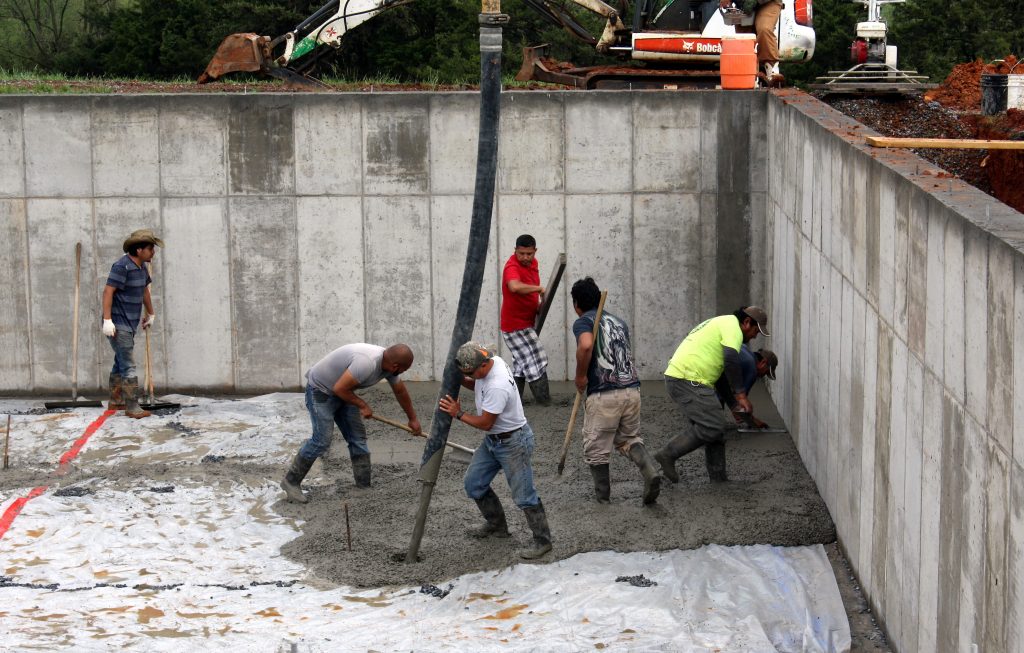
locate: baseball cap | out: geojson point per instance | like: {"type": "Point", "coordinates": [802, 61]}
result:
{"type": "Point", "coordinates": [760, 316]}
{"type": "Point", "coordinates": [772, 360]}
{"type": "Point", "coordinates": [472, 355]}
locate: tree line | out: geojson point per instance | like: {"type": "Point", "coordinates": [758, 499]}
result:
{"type": "Point", "coordinates": [435, 41]}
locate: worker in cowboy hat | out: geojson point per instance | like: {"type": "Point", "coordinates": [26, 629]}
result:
{"type": "Point", "coordinates": [124, 296]}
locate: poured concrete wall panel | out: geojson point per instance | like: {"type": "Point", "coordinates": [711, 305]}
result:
{"type": "Point", "coordinates": [261, 146]}
{"type": "Point", "coordinates": [599, 244]}
{"type": "Point", "coordinates": [449, 227]}
{"type": "Point", "coordinates": [599, 145]}
{"type": "Point", "coordinates": [397, 277]}
{"type": "Point", "coordinates": [665, 233]}
{"type": "Point", "coordinates": [531, 148]}
{"type": "Point", "coordinates": [125, 147]}
{"type": "Point", "coordinates": [57, 154]}
{"type": "Point", "coordinates": [396, 145]}
{"type": "Point", "coordinates": [198, 334]}
{"type": "Point", "coordinates": [15, 353]}
{"type": "Point", "coordinates": [54, 226]}
{"type": "Point", "coordinates": [454, 138]}
{"type": "Point", "coordinates": [667, 143]}
{"type": "Point", "coordinates": [193, 144]}
{"type": "Point", "coordinates": [264, 282]}
{"type": "Point", "coordinates": [12, 163]}
{"type": "Point", "coordinates": [328, 146]}
{"type": "Point", "coordinates": [330, 275]}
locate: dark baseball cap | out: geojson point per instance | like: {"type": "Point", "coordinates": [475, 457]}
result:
{"type": "Point", "coordinates": [760, 316]}
{"type": "Point", "coordinates": [770, 358]}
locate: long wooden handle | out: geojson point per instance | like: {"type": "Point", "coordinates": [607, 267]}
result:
{"type": "Point", "coordinates": [579, 395]}
{"type": "Point", "coordinates": [149, 370]}
{"type": "Point", "coordinates": [74, 323]}
{"type": "Point", "coordinates": [405, 427]}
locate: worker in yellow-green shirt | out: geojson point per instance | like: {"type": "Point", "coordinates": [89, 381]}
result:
{"type": "Point", "coordinates": [710, 351]}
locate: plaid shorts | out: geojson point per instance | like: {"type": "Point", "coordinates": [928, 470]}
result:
{"type": "Point", "coordinates": [528, 358]}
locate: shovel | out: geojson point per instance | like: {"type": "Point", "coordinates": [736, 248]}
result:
{"type": "Point", "coordinates": [75, 403]}
{"type": "Point", "coordinates": [462, 454]}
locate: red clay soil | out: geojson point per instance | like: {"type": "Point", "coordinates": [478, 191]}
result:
{"type": "Point", "coordinates": [953, 110]}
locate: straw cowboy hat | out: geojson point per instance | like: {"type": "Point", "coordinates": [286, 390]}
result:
{"type": "Point", "coordinates": [142, 237]}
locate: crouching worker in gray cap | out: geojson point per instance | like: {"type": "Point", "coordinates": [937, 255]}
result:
{"type": "Point", "coordinates": [124, 297]}
{"type": "Point", "coordinates": [331, 399]}
{"type": "Point", "coordinates": [507, 446]}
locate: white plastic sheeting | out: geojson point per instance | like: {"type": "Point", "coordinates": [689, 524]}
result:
{"type": "Point", "coordinates": [135, 571]}
{"type": "Point", "coordinates": [143, 568]}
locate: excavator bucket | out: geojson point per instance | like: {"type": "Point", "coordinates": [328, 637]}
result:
{"type": "Point", "coordinates": [239, 53]}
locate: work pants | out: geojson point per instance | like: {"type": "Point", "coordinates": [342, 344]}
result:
{"type": "Point", "coordinates": [510, 455]}
{"type": "Point", "coordinates": [612, 421]}
{"type": "Point", "coordinates": [701, 409]}
{"type": "Point", "coordinates": [123, 344]}
{"type": "Point", "coordinates": [324, 412]}
{"type": "Point", "coordinates": [766, 17]}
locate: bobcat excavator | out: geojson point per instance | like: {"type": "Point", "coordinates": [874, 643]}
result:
{"type": "Point", "coordinates": [661, 43]}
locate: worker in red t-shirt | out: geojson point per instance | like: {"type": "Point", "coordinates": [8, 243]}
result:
{"type": "Point", "coordinates": [521, 297]}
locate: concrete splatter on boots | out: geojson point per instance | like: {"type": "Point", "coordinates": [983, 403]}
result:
{"type": "Point", "coordinates": [361, 470]}
{"type": "Point", "coordinates": [538, 522]}
{"type": "Point", "coordinates": [495, 526]}
{"type": "Point", "coordinates": [652, 481]}
{"type": "Point", "coordinates": [292, 481]}
{"type": "Point", "coordinates": [130, 392]}
{"type": "Point", "coordinates": [602, 483]}
{"type": "Point", "coordinates": [116, 401]}
{"type": "Point", "coordinates": [714, 460]}
{"type": "Point", "coordinates": [675, 449]}
{"type": "Point", "coordinates": [521, 385]}
{"type": "Point", "coordinates": [540, 390]}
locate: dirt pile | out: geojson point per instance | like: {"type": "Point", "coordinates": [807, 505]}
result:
{"type": "Point", "coordinates": [961, 90]}
{"type": "Point", "coordinates": [1005, 168]}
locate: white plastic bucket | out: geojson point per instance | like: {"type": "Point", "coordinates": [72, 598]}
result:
{"type": "Point", "coordinates": [1015, 92]}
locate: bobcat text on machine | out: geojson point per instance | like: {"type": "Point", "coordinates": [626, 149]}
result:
{"type": "Point", "coordinates": [660, 43]}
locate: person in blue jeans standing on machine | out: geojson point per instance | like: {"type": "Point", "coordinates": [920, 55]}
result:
{"type": "Point", "coordinates": [506, 447]}
{"type": "Point", "coordinates": [331, 399]}
{"type": "Point", "coordinates": [124, 296]}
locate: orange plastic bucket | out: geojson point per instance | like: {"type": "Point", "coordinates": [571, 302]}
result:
{"type": "Point", "coordinates": [739, 61]}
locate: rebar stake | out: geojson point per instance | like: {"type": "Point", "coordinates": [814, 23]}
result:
{"type": "Point", "coordinates": [348, 531]}
{"type": "Point", "coordinates": [7, 440]}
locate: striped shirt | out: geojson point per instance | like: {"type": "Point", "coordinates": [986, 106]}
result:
{"type": "Point", "coordinates": [129, 282]}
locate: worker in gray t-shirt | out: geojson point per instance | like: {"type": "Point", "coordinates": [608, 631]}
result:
{"type": "Point", "coordinates": [331, 399]}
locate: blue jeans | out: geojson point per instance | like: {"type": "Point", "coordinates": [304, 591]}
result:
{"type": "Point", "coordinates": [324, 412]}
{"type": "Point", "coordinates": [512, 456]}
{"type": "Point", "coordinates": [123, 344]}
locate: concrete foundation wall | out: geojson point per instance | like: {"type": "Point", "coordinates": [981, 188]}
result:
{"type": "Point", "coordinates": [297, 223]}
{"type": "Point", "coordinates": [898, 300]}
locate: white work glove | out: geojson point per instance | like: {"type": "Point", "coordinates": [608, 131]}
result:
{"type": "Point", "coordinates": [148, 322]}
{"type": "Point", "coordinates": [109, 329]}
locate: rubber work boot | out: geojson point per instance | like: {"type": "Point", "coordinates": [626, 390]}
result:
{"type": "Point", "coordinates": [495, 526]}
{"type": "Point", "coordinates": [540, 390]}
{"type": "Point", "coordinates": [538, 522]}
{"type": "Point", "coordinates": [361, 470]}
{"type": "Point", "coordinates": [652, 481]}
{"type": "Point", "coordinates": [714, 460]}
{"type": "Point", "coordinates": [116, 401]}
{"type": "Point", "coordinates": [675, 449]}
{"type": "Point", "coordinates": [130, 392]}
{"type": "Point", "coordinates": [292, 481]}
{"type": "Point", "coordinates": [521, 384]}
{"type": "Point", "coordinates": [602, 483]}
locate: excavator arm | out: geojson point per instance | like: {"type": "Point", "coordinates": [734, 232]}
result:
{"type": "Point", "coordinates": [247, 52]}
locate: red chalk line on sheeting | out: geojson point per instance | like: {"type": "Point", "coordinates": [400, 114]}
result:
{"type": "Point", "coordinates": [15, 507]}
